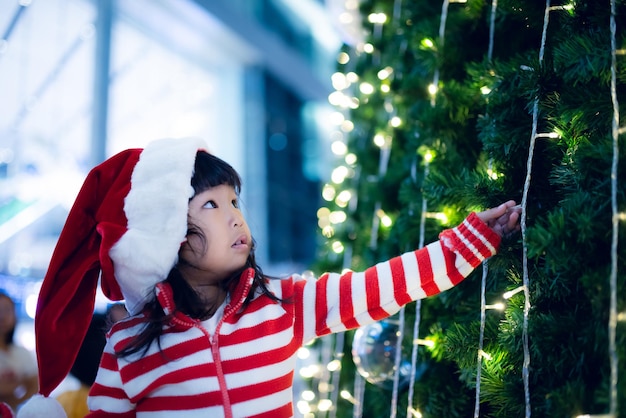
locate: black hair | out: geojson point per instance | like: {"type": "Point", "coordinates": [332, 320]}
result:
{"type": "Point", "coordinates": [87, 360]}
{"type": "Point", "coordinates": [209, 171]}
{"type": "Point", "coordinates": [8, 339]}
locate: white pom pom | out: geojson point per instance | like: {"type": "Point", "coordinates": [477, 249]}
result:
{"type": "Point", "coordinates": [40, 406]}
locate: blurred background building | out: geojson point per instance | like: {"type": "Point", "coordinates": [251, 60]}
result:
{"type": "Point", "coordinates": [83, 79]}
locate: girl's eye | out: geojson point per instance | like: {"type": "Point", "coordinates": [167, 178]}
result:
{"type": "Point", "coordinates": [236, 204]}
{"type": "Point", "coordinates": [210, 204]}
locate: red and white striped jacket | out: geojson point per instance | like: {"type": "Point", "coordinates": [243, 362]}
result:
{"type": "Point", "coordinates": [246, 367]}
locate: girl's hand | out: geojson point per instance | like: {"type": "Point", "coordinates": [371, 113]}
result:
{"type": "Point", "coordinates": [503, 219]}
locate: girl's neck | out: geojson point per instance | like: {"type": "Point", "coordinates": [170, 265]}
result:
{"type": "Point", "coordinates": [213, 296]}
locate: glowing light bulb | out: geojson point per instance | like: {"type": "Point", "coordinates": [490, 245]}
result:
{"type": "Point", "coordinates": [427, 343]}
{"type": "Point", "coordinates": [377, 18]}
{"type": "Point", "coordinates": [427, 43]}
{"type": "Point", "coordinates": [385, 73]}
{"type": "Point", "coordinates": [343, 58]}
{"type": "Point", "coordinates": [510, 293]}
{"type": "Point", "coordinates": [339, 174]}
{"type": "Point", "coordinates": [328, 193]}
{"type": "Point", "coordinates": [325, 405]}
{"type": "Point", "coordinates": [304, 353]}
{"type": "Point", "coordinates": [395, 121]}
{"type": "Point", "coordinates": [334, 365]}
{"type": "Point", "coordinates": [339, 81]}
{"type": "Point", "coordinates": [350, 159]}
{"type": "Point", "coordinates": [337, 247]}
{"type": "Point", "coordinates": [337, 217]}
{"type": "Point", "coordinates": [415, 413]}
{"type": "Point", "coordinates": [366, 88]}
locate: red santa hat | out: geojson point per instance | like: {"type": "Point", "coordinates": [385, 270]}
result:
{"type": "Point", "coordinates": [125, 228]}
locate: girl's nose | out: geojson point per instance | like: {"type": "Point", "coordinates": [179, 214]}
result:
{"type": "Point", "coordinates": [237, 218]}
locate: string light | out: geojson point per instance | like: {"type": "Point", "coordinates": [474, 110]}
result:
{"type": "Point", "coordinates": [359, 393]}
{"type": "Point", "coordinates": [339, 81]}
{"type": "Point", "coordinates": [377, 18]}
{"type": "Point", "coordinates": [350, 159]}
{"type": "Point", "coordinates": [612, 323]}
{"type": "Point", "coordinates": [597, 416]}
{"type": "Point", "coordinates": [328, 193]}
{"type": "Point", "coordinates": [427, 343]}
{"type": "Point", "coordinates": [368, 48]}
{"type": "Point", "coordinates": [339, 148]}
{"type": "Point", "coordinates": [337, 217]}
{"type": "Point", "coordinates": [531, 149]}
{"type": "Point", "coordinates": [481, 336]}
{"type": "Point", "coordinates": [347, 126]}
{"type": "Point", "coordinates": [510, 293]}
{"type": "Point", "coordinates": [334, 365]}
{"type": "Point", "coordinates": [366, 88]}
{"type": "Point", "coordinates": [337, 247]}
{"type": "Point", "coordinates": [382, 141]}
{"type": "Point", "coordinates": [414, 412]}
{"type": "Point", "coordinates": [493, 175]}
{"type": "Point", "coordinates": [551, 135]}
{"type": "Point", "coordinates": [567, 7]}
{"type": "Point", "coordinates": [308, 395]}
{"type": "Point", "coordinates": [385, 73]}
{"type": "Point", "coordinates": [385, 220]}
{"type": "Point", "coordinates": [427, 43]}
{"type": "Point", "coordinates": [440, 216]}
{"type": "Point", "coordinates": [348, 397]}
{"type": "Point", "coordinates": [324, 405]}
{"type": "Point", "coordinates": [304, 407]}
{"type": "Point", "coordinates": [339, 174]}
{"type": "Point", "coordinates": [343, 198]}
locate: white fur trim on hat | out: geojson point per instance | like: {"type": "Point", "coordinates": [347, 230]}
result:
{"type": "Point", "coordinates": [156, 208]}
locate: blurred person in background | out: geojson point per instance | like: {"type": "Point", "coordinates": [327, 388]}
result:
{"type": "Point", "coordinates": [115, 312]}
{"type": "Point", "coordinates": [18, 368]}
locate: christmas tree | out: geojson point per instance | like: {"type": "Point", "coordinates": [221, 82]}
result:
{"type": "Point", "coordinates": [453, 107]}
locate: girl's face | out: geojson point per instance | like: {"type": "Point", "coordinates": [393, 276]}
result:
{"type": "Point", "coordinates": [228, 241]}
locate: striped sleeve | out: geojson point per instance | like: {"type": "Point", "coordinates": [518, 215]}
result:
{"type": "Point", "coordinates": [338, 302]}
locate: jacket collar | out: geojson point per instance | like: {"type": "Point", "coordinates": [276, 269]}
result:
{"type": "Point", "coordinates": [165, 297]}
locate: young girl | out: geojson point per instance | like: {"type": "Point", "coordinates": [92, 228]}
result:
{"type": "Point", "coordinates": [209, 334]}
